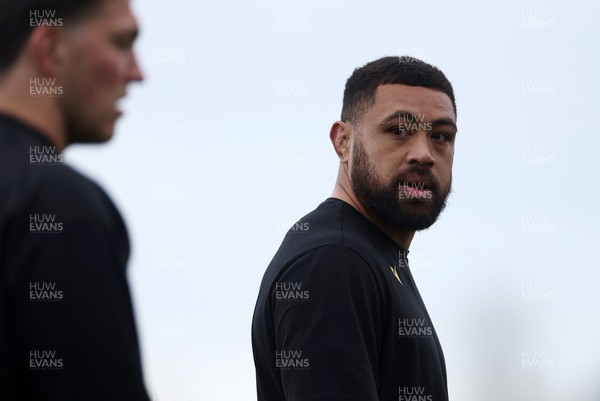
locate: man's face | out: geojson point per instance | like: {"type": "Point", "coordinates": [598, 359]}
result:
{"type": "Point", "coordinates": [100, 64]}
{"type": "Point", "coordinates": [402, 153]}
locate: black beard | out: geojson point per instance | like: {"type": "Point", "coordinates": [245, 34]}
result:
{"type": "Point", "coordinates": [384, 201]}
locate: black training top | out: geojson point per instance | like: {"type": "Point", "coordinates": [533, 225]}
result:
{"type": "Point", "coordinates": [66, 322]}
{"type": "Point", "coordinates": [333, 322]}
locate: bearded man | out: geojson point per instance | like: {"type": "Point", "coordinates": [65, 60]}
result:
{"type": "Point", "coordinates": [339, 316]}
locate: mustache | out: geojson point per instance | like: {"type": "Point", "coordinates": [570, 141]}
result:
{"type": "Point", "coordinates": [418, 174]}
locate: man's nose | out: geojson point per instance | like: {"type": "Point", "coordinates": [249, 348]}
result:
{"type": "Point", "coordinates": [420, 150]}
{"type": "Point", "coordinates": [135, 72]}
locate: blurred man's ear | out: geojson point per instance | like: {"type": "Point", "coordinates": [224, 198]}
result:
{"type": "Point", "coordinates": [46, 48]}
{"type": "Point", "coordinates": [341, 137]}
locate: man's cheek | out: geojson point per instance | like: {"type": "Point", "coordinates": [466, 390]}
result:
{"type": "Point", "coordinates": [107, 72]}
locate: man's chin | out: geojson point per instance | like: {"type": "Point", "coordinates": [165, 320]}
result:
{"type": "Point", "coordinates": [107, 135]}
{"type": "Point", "coordinates": [420, 222]}
{"type": "Point", "coordinates": [92, 136]}
{"type": "Point", "coordinates": [408, 215]}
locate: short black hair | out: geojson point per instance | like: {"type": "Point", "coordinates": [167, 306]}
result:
{"type": "Point", "coordinates": [359, 93]}
{"type": "Point", "coordinates": [15, 22]}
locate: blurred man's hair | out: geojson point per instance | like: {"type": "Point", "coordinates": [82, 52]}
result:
{"type": "Point", "coordinates": [15, 22]}
{"type": "Point", "coordinates": [359, 94]}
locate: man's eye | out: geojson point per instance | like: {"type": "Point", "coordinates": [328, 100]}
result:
{"type": "Point", "coordinates": [400, 130]}
{"type": "Point", "coordinates": [440, 137]}
{"type": "Point", "coordinates": [123, 43]}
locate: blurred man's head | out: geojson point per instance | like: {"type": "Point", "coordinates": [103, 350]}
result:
{"type": "Point", "coordinates": [81, 49]}
{"type": "Point", "coordinates": [396, 140]}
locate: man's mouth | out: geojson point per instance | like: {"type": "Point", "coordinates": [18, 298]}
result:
{"type": "Point", "coordinates": [415, 189]}
{"type": "Point", "coordinates": [415, 185]}
{"type": "Point", "coordinates": [119, 104]}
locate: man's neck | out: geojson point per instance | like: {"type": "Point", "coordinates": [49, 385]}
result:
{"type": "Point", "coordinates": [343, 191]}
{"type": "Point", "coordinates": [40, 113]}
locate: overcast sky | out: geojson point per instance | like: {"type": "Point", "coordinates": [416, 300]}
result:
{"type": "Point", "coordinates": [225, 145]}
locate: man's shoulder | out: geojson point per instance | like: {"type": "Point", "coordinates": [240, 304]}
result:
{"type": "Point", "coordinates": [60, 184]}
{"type": "Point", "coordinates": [323, 236]}
{"type": "Point", "coordinates": [333, 225]}
{"type": "Point", "coordinates": [53, 189]}
{"type": "Point", "coordinates": [63, 181]}
{"type": "Point", "coordinates": [33, 172]}
{"type": "Point", "coordinates": [320, 228]}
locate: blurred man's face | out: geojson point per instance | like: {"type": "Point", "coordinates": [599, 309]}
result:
{"type": "Point", "coordinates": [100, 65]}
{"type": "Point", "coordinates": [402, 153]}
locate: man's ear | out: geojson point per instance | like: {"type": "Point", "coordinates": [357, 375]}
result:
{"type": "Point", "coordinates": [47, 48]}
{"type": "Point", "coordinates": [341, 137]}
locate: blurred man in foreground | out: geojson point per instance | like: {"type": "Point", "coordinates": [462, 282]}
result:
{"type": "Point", "coordinates": [338, 315]}
{"type": "Point", "coordinates": [67, 328]}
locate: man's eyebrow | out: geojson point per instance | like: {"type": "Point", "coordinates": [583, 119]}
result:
{"type": "Point", "coordinates": [445, 121]}
{"type": "Point", "coordinates": [397, 115]}
{"type": "Point", "coordinates": [409, 115]}
{"type": "Point", "coordinates": [130, 33]}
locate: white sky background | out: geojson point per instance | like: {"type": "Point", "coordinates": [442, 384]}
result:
{"type": "Point", "coordinates": [226, 144]}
